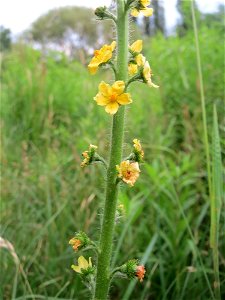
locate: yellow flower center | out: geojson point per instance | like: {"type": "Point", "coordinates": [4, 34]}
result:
{"type": "Point", "coordinates": [113, 98]}
{"type": "Point", "coordinates": [96, 53]}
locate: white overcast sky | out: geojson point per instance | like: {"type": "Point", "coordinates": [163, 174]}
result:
{"type": "Point", "coordinates": [19, 14]}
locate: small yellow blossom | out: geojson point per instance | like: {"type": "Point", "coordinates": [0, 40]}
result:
{"type": "Point", "coordinates": [132, 68]}
{"type": "Point", "coordinates": [128, 171]}
{"type": "Point", "coordinates": [141, 7]}
{"type": "Point", "coordinates": [138, 151]}
{"type": "Point", "coordinates": [82, 264]}
{"type": "Point", "coordinates": [76, 243]}
{"type": "Point", "coordinates": [147, 74]}
{"type": "Point", "coordinates": [112, 96]}
{"type": "Point", "coordinates": [101, 56]}
{"type": "Point", "coordinates": [136, 47]}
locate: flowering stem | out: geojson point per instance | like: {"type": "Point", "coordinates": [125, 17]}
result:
{"type": "Point", "coordinates": [107, 230]}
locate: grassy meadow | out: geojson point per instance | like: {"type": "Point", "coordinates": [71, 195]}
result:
{"type": "Point", "coordinates": [48, 117]}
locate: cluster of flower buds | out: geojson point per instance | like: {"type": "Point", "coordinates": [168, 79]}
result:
{"type": "Point", "coordinates": [89, 155]}
{"type": "Point", "coordinates": [138, 65]}
{"type": "Point", "coordinates": [132, 269]}
{"type": "Point", "coordinates": [80, 241]}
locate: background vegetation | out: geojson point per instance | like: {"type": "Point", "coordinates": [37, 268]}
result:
{"type": "Point", "coordinates": [48, 118]}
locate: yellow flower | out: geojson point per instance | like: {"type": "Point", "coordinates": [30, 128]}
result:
{"type": "Point", "coordinates": [147, 74]}
{"type": "Point", "coordinates": [136, 47]}
{"type": "Point", "coordinates": [138, 151]}
{"type": "Point", "coordinates": [141, 7]}
{"type": "Point", "coordinates": [112, 96]}
{"type": "Point", "coordinates": [132, 68]}
{"type": "Point", "coordinates": [102, 55]}
{"type": "Point", "coordinates": [128, 171]}
{"type": "Point", "coordinates": [82, 264]}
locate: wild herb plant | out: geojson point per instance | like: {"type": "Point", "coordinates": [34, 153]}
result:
{"type": "Point", "coordinates": [128, 65]}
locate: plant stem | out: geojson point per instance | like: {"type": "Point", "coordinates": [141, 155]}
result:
{"type": "Point", "coordinates": [107, 229]}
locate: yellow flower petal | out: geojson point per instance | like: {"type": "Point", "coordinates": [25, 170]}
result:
{"type": "Point", "coordinates": [76, 268]}
{"type": "Point", "coordinates": [137, 46]}
{"type": "Point", "coordinates": [145, 2]}
{"type": "Point", "coordinates": [104, 89]}
{"type": "Point", "coordinates": [82, 263]}
{"type": "Point", "coordinates": [118, 87]}
{"type": "Point", "coordinates": [101, 100]}
{"type": "Point", "coordinates": [150, 83]}
{"type": "Point", "coordinates": [134, 12]}
{"type": "Point", "coordinates": [112, 108]}
{"type": "Point", "coordinates": [140, 60]}
{"type": "Point", "coordinates": [124, 99]}
{"type": "Point", "coordinates": [147, 12]}
{"type": "Point", "coordinates": [113, 45]}
{"type": "Point", "coordinates": [132, 69]}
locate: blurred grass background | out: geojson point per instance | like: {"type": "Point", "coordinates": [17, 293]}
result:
{"type": "Point", "coordinates": [48, 118]}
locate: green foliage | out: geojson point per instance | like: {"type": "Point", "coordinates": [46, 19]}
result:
{"type": "Point", "coordinates": [5, 39]}
{"type": "Point", "coordinates": [49, 118]}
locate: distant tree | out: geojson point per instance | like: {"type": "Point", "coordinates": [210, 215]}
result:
{"type": "Point", "coordinates": [5, 39]}
{"type": "Point", "coordinates": [71, 28]}
{"type": "Point", "coordinates": [156, 23]}
{"type": "Point", "coordinates": [184, 8]}
{"type": "Point", "coordinates": [215, 20]}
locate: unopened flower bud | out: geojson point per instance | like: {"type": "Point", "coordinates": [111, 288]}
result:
{"type": "Point", "coordinates": [132, 269]}
{"type": "Point", "coordinates": [79, 241]}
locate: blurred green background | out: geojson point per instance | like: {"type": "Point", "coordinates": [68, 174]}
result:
{"type": "Point", "coordinates": [48, 118]}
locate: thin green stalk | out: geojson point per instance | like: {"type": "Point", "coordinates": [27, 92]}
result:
{"type": "Point", "coordinates": [214, 222]}
{"type": "Point", "coordinates": [107, 230]}
{"type": "Point", "coordinates": [203, 105]}
{"type": "Point", "coordinates": [217, 183]}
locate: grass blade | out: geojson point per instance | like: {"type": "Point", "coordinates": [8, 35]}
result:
{"type": "Point", "coordinates": [216, 200]}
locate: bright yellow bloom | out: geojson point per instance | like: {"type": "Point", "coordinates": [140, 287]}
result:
{"type": "Point", "coordinates": [141, 7]}
{"type": "Point", "coordinates": [147, 74]}
{"type": "Point", "coordinates": [128, 171]}
{"type": "Point", "coordinates": [136, 47]}
{"type": "Point", "coordinates": [112, 96]}
{"type": "Point", "coordinates": [138, 149]}
{"type": "Point", "coordinates": [101, 56]}
{"type": "Point", "coordinates": [82, 264]}
{"type": "Point", "coordinates": [132, 68]}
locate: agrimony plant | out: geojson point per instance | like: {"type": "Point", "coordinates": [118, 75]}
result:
{"type": "Point", "coordinates": [128, 65]}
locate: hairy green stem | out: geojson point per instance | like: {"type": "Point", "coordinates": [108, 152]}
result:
{"type": "Point", "coordinates": [107, 229]}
